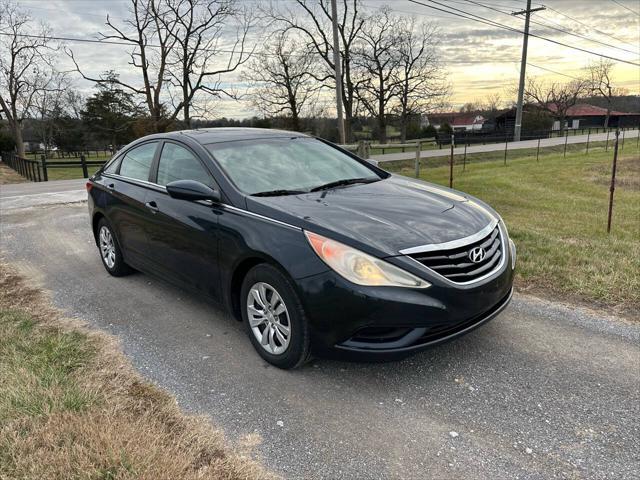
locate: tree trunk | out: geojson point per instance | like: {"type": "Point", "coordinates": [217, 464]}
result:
{"type": "Point", "coordinates": [348, 118]}
{"type": "Point", "coordinates": [17, 136]}
{"type": "Point", "coordinates": [187, 115]}
{"type": "Point", "coordinates": [382, 125]}
{"type": "Point", "coordinates": [562, 121]}
{"type": "Point", "coordinates": [295, 121]}
{"type": "Point", "coordinates": [403, 128]}
{"type": "Point", "coordinates": [606, 118]}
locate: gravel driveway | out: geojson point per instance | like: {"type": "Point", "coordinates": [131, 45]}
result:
{"type": "Point", "coordinates": [542, 391]}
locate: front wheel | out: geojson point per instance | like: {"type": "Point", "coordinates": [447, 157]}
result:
{"type": "Point", "coordinates": [274, 318]}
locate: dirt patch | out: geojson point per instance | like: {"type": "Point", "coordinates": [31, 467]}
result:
{"type": "Point", "coordinates": [9, 175]}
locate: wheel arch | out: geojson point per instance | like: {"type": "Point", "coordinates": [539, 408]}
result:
{"type": "Point", "coordinates": [97, 216]}
{"type": "Point", "coordinates": [239, 274]}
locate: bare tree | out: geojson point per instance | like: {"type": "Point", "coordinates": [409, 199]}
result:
{"type": "Point", "coordinates": [25, 67]}
{"type": "Point", "coordinates": [152, 43]}
{"type": "Point", "coordinates": [199, 59]}
{"type": "Point", "coordinates": [556, 98]}
{"type": "Point", "coordinates": [376, 58]}
{"type": "Point", "coordinates": [601, 83]}
{"type": "Point", "coordinates": [49, 107]}
{"type": "Point", "coordinates": [281, 79]}
{"type": "Point", "coordinates": [177, 43]}
{"type": "Point", "coordinates": [422, 85]}
{"type": "Point", "coordinates": [312, 20]}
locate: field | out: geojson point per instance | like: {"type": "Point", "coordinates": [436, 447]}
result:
{"type": "Point", "coordinates": [556, 212]}
{"type": "Point", "coordinates": [72, 407]}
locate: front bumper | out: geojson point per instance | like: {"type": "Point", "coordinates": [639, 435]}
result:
{"type": "Point", "coordinates": [372, 323]}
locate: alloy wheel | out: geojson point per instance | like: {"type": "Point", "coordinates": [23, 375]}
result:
{"type": "Point", "coordinates": [107, 247]}
{"type": "Point", "coordinates": [268, 318]}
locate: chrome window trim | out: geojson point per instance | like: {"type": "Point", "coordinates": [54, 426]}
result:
{"type": "Point", "coordinates": [461, 242]}
{"type": "Point", "coordinates": [224, 206]}
{"type": "Point", "coordinates": [143, 183]}
{"type": "Point", "coordinates": [503, 243]}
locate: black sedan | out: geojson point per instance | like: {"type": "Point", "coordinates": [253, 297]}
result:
{"type": "Point", "coordinates": [313, 248]}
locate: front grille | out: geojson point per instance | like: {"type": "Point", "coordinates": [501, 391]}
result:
{"type": "Point", "coordinates": [456, 264]}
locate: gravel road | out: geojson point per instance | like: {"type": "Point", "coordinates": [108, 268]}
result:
{"type": "Point", "coordinates": [542, 391]}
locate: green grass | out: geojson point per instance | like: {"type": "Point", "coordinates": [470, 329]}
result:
{"type": "Point", "coordinates": [38, 368]}
{"type": "Point", "coordinates": [556, 212]}
{"type": "Point", "coordinates": [68, 173]}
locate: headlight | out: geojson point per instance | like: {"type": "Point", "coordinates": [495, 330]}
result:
{"type": "Point", "coordinates": [360, 268]}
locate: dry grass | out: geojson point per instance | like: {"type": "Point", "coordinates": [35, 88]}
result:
{"type": "Point", "coordinates": [71, 406]}
{"type": "Point", "coordinates": [9, 175]}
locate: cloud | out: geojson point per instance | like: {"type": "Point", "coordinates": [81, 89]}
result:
{"type": "Point", "coordinates": [481, 59]}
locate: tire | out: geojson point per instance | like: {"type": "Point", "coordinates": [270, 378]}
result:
{"type": "Point", "coordinates": [264, 280]}
{"type": "Point", "coordinates": [111, 257]}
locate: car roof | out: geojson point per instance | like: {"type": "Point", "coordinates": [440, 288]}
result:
{"type": "Point", "coordinates": [206, 136]}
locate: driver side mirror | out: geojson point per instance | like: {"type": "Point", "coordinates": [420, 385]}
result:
{"type": "Point", "coordinates": [192, 190]}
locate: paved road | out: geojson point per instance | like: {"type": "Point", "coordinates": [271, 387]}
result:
{"type": "Point", "coordinates": [495, 147]}
{"type": "Point", "coordinates": [540, 392]}
{"type": "Point", "coordinates": [28, 194]}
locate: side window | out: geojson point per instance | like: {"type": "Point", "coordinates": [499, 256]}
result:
{"type": "Point", "coordinates": [178, 163]}
{"type": "Point", "coordinates": [137, 161]}
{"type": "Point", "coordinates": [113, 166]}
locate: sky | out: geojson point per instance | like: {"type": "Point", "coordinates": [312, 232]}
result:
{"type": "Point", "coordinates": [480, 60]}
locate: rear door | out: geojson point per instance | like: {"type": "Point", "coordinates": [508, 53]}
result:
{"type": "Point", "coordinates": [183, 234]}
{"type": "Point", "coordinates": [125, 208]}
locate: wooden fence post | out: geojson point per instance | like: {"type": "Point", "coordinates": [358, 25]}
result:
{"type": "Point", "coordinates": [613, 182]}
{"type": "Point", "coordinates": [417, 166]}
{"type": "Point", "coordinates": [83, 163]}
{"type": "Point", "coordinates": [506, 143]}
{"type": "Point", "coordinates": [43, 162]}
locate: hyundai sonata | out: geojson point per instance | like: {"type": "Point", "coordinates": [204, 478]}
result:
{"type": "Point", "coordinates": [314, 249]}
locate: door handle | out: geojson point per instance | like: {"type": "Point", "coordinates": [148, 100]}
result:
{"type": "Point", "coordinates": [111, 186]}
{"type": "Point", "coordinates": [153, 206]}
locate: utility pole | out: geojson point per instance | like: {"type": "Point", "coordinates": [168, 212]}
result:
{"type": "Point", "coordinates": [337, 70]}
{"type": "Point", "coordinates": [523, 67]}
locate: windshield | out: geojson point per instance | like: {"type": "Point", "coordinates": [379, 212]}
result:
{"type": "Point", "coordinates": [287, 165]}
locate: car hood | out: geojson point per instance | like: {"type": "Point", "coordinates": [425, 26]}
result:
{"type": "Point", "coordinates": [387, 216]}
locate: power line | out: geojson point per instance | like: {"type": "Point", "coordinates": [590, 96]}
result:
{"type": "Point", "coordinates": [625, 7]}
{"type": "Point", "coordinates": [587, 25]}
{"type": "Point", "coordinates": [568, 32]}
{"type": "Point", "coordinates": [552, 71]}
{"type": "Point", "coordinates": [261, 54]}
{"type": "Point", "coordinates": [486, 21]}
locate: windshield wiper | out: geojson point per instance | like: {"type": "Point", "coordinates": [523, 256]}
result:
{"type": "Point", "coordinates": [346, 181]}
{"type": "Point", "coordinates": [277, 193]}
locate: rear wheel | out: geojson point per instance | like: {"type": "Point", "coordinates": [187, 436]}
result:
{"type": "Point", "coordinates": [110, 252]}
{"type": "Point", "coordinates": [274, 318]}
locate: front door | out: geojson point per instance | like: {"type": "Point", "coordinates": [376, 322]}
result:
{"type": "Point", "coordinates": [183, 234]}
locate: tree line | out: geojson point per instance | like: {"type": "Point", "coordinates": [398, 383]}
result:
{"type": "Point", "coordinates": [184, 54]}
